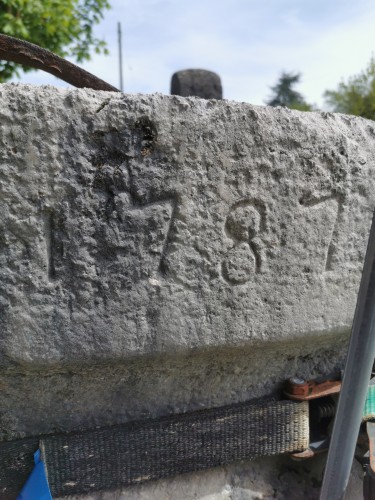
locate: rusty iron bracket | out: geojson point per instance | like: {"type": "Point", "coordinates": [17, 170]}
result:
{"type": "Point", "coordinates": [304, 390]}
{"type": "Point", "coordinates": [322, 410]}
{"type": "Point", "coordinates": [28, 54]}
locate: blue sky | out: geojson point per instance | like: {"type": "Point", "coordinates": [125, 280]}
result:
{"type": "Point", "coordinates": [247, 42]}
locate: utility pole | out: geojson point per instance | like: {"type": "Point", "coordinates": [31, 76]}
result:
{"type": "Point", "coordinates": [119, 37]}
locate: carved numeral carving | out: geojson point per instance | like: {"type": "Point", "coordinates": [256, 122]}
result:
{"type": "Point", "coordinates": [324, 213]}
{"type": "Point", "coordinates": [244, 224]}
{"type": "Point", "coordinates": [132, 238]}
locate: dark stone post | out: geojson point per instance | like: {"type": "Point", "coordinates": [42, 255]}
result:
{"type": "Point", "coordinates": [197, 82]}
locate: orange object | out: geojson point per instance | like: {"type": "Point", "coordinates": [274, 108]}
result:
{"type": "Point", "coordinates": [301, 390]}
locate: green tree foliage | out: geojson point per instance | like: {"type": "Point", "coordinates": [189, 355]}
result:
{"type": "Point", "coordinates": [63, 26]}
{"type": "Point", "coordinates": [356, 96]}
{"type": "Point", "coordinates": [283, 93]}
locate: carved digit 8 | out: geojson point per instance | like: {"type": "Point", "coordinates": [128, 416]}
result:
{"type": "Point", "coordinates": [243, 223]}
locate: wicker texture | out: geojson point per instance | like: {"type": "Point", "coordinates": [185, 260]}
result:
{"type": "Point", "coordinates": [109, 458]}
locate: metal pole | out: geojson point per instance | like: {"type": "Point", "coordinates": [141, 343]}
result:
{"type": "Point", "coordinates": [119, 36]}
{"type": "Point", "coordinates": [355, 383]}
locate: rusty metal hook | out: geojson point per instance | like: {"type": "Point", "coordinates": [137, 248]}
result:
{"type": "Point", "coordinates": [28, 54]}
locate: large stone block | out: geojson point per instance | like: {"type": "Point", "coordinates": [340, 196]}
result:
{"type": "Point", "coordinates": [161, 254]}
{"type": "Point", "coordinates": [153, 224]}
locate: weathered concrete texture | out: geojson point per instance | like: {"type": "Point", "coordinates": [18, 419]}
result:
{"type": "Point", "coordinates": [267, 478]}
{"type": "Point", "coordinates": [161, 254]}
{"type": "Point", "coordinates": [155, 224]}
{"type": "Point", "coordinates": [72, 397]}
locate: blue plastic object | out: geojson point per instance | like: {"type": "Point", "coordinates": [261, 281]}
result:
{"type": "Point", "coordinates": [36, 487]}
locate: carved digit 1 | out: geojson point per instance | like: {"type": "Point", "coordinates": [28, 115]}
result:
{"type": "Point", "coordinates": [49, 234]}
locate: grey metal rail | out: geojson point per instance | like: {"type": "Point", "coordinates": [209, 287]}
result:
{"type": "Point", "coordinates": [355, 383]}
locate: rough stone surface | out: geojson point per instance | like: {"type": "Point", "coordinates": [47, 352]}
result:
{"type": "Point", "coordinates": [138, 225]}
{"type": "Point", "coordinates": [161, 254]}
{"type": "Point", "coordinates": [63, 398]}
{"type": "Point", "coordinates": [266, 478]}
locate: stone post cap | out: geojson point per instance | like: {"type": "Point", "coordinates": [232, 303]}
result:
{"type": "Point", "coordinates": [197, 82]}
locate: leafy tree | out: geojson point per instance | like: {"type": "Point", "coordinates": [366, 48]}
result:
{"type": "Point", "coordinates": [285, 95]}
{"type": "Point", "coordinates": [356, 96]}
{"type": "Point", "coordinates": [63, 26]}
